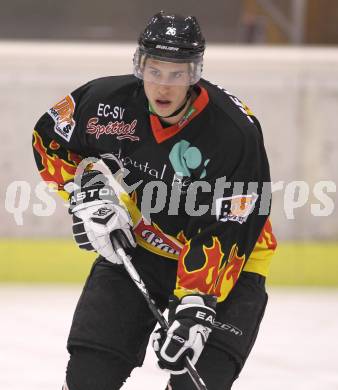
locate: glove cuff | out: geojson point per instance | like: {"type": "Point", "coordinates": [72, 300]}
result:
{"type": "Point", "coordinates": [197, 307]}
{"type": "Point", "coordinates": [198, 299]}
{"type": "Point", "coordinates": [91, 186]}
{"type": "Point", "coordinates": [91, 194]}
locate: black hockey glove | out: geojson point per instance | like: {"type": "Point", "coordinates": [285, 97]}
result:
{"type": "Point", "coordinates": [190, 320]}
{"type": "Point", "coordinates": [98, 218]}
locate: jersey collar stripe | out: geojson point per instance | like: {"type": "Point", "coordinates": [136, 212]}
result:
{"type": "Point", "coordinates": [163, 133]}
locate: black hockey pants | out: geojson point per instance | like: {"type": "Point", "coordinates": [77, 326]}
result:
{"type": "Point", "coordinates": [112, 325]}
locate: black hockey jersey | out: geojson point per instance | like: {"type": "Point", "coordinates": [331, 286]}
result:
{"type": "Point", "coordinates": [199, 189]}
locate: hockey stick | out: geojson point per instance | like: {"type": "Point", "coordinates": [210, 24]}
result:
{"type": "Point", "coordinates": [198, 381]}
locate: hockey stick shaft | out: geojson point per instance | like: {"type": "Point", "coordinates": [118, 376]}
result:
{"type": "Point", "coordinates": [198, 381]}
{"type": "Point", "coordinates": [119, 190]}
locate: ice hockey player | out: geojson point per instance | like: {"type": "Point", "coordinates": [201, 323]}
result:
{"type": "Point", "coordinates": [195, 220]}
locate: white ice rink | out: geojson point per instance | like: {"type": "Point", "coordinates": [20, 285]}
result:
{"type": "Point", "coordinates": [297, 348]}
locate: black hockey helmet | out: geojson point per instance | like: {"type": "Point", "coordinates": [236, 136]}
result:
{"type": "Point", "coordinates": [171, 38]}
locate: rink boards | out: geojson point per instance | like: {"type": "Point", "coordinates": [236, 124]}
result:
{"type": "Point", "coordinates": [60, 261]}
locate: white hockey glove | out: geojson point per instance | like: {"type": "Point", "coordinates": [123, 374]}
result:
{"type": "Point", "coordinates": [99, 221]}
{"type": "Point", "coordinates": [191, 320]}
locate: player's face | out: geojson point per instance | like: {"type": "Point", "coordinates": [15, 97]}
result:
{"type": "Point", "coordinates": [166, 85]}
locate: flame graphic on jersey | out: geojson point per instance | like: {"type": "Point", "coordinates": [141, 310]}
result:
{"type": "Point", "coordinates": [133, 196]}
{"type": "Point", "coordinates": [54, 145]}
{"type": "Point", "coordinates": [181, 237]}
{"type": "Point", "coordinates": [248, 109]}
{"type": "Point", "coordinates": [55, 169]}
{"type": "Point", "coordinates": [229, 273]}
{"type": "Point", "coordinates": [267, 238]}
{"type": "Point", "coordinates": [213, 277]}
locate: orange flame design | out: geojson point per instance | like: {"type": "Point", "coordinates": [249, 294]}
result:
{"type": "Point", "coordinates": [55, 168]}
{"type": "Point", "coordinates": [229, 273]}
{"type": "Point", "coordinates": [211, 278]}
{"type": "Point", "coordinates": [54, 145]}
{"type": "Point", "coordinates": [133, 196]}
{"type": "Point", "coordinates": [181, 237]}
{"type": "Point", "coordinates": [267, 237]}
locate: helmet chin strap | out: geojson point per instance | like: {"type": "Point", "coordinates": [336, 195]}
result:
{"type": "Point", "coordinates": [176, 112]}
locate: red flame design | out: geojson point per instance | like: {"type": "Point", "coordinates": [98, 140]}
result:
{"type": "Point", "coordinates": [55, 168]}
{"type": "Point", "coordinates": [181, 237]}
{"type": "Point", "coordinates": [211, 278]}
{"type": "Point", "coordinates": [267, 237]}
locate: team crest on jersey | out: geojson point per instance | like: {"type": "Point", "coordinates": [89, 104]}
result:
{"type": "Point", "coordinates": [235, 208]}
{"type": "Point", "coordinates": [62, 115]}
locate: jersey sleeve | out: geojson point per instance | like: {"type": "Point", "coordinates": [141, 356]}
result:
{"type": "Point", "coordinates": [262, 253]}
{"type": "Point", "coordinates": [59, 142]}
{"type": "Point", "coordinates": [221, 242]}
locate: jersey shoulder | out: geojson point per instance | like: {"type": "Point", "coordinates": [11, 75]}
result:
{"type": "Point", "coordinates": [235, 132]}
{"type": "Point", "coordinates": [229, 109]}
{"type": "Point", "coordinates": [120, 86]}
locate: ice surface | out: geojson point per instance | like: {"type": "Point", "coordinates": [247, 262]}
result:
{"type": "Point", "coordinates": [297, 347]}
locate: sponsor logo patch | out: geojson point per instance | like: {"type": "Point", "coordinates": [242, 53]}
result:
{"type": "Point", "coordinates": [235, 208]}
{"type": "Point", "coordinates": [187, 161]}
{"type": "Point", "coordinates": [156, 239]}
{"type": "Point", "coordinates": [120, 129]}
{"type": "Point", "coordinates": [62, 115]}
